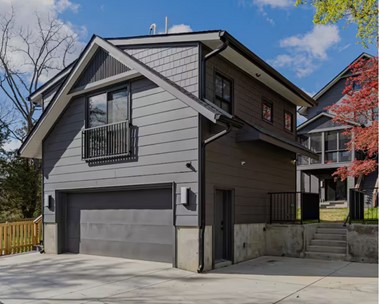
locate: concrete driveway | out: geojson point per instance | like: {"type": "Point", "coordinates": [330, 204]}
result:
{"type": "Point", "coordinates": [37, 278]}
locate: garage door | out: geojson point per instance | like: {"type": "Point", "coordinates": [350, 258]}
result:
{"type": "Point", "coordinates": [130, 224]}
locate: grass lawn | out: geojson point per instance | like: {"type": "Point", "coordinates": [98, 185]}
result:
{"type": "Point", "coordinates": [338, 215]}
{"type": "Point", "coordinates": [371, 215]}
{"type": "Point", "coordinates": [333, 215]}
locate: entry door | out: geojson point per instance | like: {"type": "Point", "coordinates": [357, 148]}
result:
{"type": "Point", "coordinates": [223, 225]}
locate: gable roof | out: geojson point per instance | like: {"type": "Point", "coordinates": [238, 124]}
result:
{"type": "Point", "coordinates": [333, 81]}
{"type": "Point", "coordinates": [316, 117]}
{"type": "Point", "coordinates": [236, 53]}
{"type": "Point", "coordinates": [31, 147]}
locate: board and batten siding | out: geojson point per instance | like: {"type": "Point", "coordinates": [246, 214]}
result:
{"type": "Point", "coordinates": [167, 138]}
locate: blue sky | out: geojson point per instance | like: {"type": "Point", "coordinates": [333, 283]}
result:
{"type": "Point", "coordinates": [281, 34]}
{"type": "Point", "coordinates": [278, 32]}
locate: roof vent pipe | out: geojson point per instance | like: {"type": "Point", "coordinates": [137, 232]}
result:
{"type": "Point", "coordinates": [166, 25]}
{"type": "Point", "coordinates": [152, 29]}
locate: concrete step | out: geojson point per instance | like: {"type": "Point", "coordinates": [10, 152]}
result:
{"type": "Point", "coordinates": [332, 230]}
{"type": "Point", "coordinates": [333, 243]}
{"type": "Point", "coordinates": [331, 225]}
{"type": "Point", "coordinates": [325, 256]}
{"type": "Point", "coordinates": [330, 236]}
{"type": "Point", "coordinates": [326, 249]}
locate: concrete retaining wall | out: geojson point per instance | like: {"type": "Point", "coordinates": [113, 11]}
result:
{"type": "Point", "coordinates": [254, 240]}
{"type": "Point", "coordinates": [249, 241]}
{"type": "Point", "coordinates": [288, 240]}
{"type": "Point", "coordinates": [363, 243]}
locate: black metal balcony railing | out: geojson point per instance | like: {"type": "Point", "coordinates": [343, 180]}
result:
{"type": "Point", "coordinates": [108, 141]}
{"type": "Point", "coordinates": [293, 207]}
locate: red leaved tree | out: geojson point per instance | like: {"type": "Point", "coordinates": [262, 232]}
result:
{"type": "Point", "coordinates": [360, 105]}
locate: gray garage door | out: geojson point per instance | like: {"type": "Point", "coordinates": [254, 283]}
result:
{"type": "Point", "coordinates": [130, 224]}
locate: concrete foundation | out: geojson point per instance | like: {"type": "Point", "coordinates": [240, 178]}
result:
{"type": "Point", "coordinates": [51, 238]}
{"type": "Point", "coordinates": [363, 243]}
{"type": "Point", "coordinates": [208, 249]}
{"type": "Point", "coordinates": [249, 241]}
{"type": "Point", "coordinates": [188, 248]}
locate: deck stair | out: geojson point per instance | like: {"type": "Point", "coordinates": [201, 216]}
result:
{"type": "Point", "coordinates": [328, 243]}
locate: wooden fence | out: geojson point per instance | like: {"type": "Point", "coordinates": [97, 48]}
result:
{"type": "Point", "coordinates": [17, 237]}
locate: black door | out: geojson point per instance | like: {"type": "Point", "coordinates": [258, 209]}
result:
{"type": "Point", "coordinates": [134, 224]}
{"type": "Point", "coordinates": [223, 225]}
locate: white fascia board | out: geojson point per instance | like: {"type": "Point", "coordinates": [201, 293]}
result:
{"type": "Point", "coordinates": [33, 147]}
{"type": "Point", "coordinates": [167, 39]}
{"type": "Point", "coordinates": [313, 119]}
{"type": "Point", "coordinates": [253, 70]}
{"type": "Point", "coordinates": [104, 82]}
{"type": "Point", "coordinates": [37, 96]}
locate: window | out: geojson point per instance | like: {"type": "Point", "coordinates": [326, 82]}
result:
{"type": "Point", "coordinates": [316, 146]}
{"type": "Point", "coordinates": [107, 108]}
{"type": "Point", "coordinates": [223, 93]}
{"type": "Point", "coordinates": [288, 121]}
{"type": "Point", "coordinates": [336, 147]}
{"type": "Point", "coordinates": [108, 129]}
{"type": "Point", "coordinates": [267, 111]}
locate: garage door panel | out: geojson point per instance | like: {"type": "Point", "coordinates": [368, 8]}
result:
{"type": "Point", "coordinates": [139, 251]}
{"type": "Point", "coordinates": [134, 224]}
{"type": "Point", "coordinates": [121, 216]}
{"type": "Point", "coordinates": [127, 233]}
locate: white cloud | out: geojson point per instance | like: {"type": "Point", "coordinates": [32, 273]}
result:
{"type": "Point", "coordinates": [180, 28]}
{"type": "Point", "coordinates": [273, 3]}
{"type": "Point", "coordinates": [304, 53]}
{"type": "Point", "coordinates": [25, 17]}
{"type": "Point", "coordinates": [63, 5]}
{"type": "Point", "coordinates": [316, 42]}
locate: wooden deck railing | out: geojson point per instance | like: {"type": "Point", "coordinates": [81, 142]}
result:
{"type": "Point", "coordinates": [17, 237]}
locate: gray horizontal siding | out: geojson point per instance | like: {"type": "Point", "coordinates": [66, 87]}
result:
{"type": "Point", "coordinates": [267, 169]}
{"type": "Point", "coordinates": [167, 138]}
{"type": "Point", "coordinates": [332, 96]}
{"type": "Point", "coordinates": [178, 63]}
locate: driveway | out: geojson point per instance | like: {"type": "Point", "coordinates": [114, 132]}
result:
{"type": "Point", "coordinates": [37, 278]}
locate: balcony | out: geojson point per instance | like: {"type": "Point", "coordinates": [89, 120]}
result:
{"type": "Point", "coordinates": [107, 141]}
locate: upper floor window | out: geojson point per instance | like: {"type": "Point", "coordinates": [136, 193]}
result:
{"type": "Point", "coordinates": [331, 147]}
{"type": "Point", "coordinates": [288, 121]}
{"type": "Point", "coordinates": [336, 149]}
{"type": "Point", "coordinates": [223, 92]}
{"type": "Point", "coordinates": [107, 108]}
{"type": "Point", "coordinates": [267, 111]}
{"type": "Point", "coordinates": [107, 133]}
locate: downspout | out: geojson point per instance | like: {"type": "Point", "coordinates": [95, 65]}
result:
{"type": "Point", "coordinates": [202, 182]}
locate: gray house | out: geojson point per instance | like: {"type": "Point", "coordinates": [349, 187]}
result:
{"type": "Point", "coordinates": [324, 137]}
{"type": "Point", "coordinates": [164, 148]}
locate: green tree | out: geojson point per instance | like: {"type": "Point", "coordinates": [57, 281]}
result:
{"type": "Point", "coordinates": [363, 13]}
{"type": "Point", "coordinates": [20, 185]}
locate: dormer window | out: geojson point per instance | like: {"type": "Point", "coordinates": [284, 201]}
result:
{"type": "Point", "coordinates": [223, 92]}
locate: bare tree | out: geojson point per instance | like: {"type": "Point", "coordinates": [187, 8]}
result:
{"type": "Point", "coordinates": [26, 58]}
